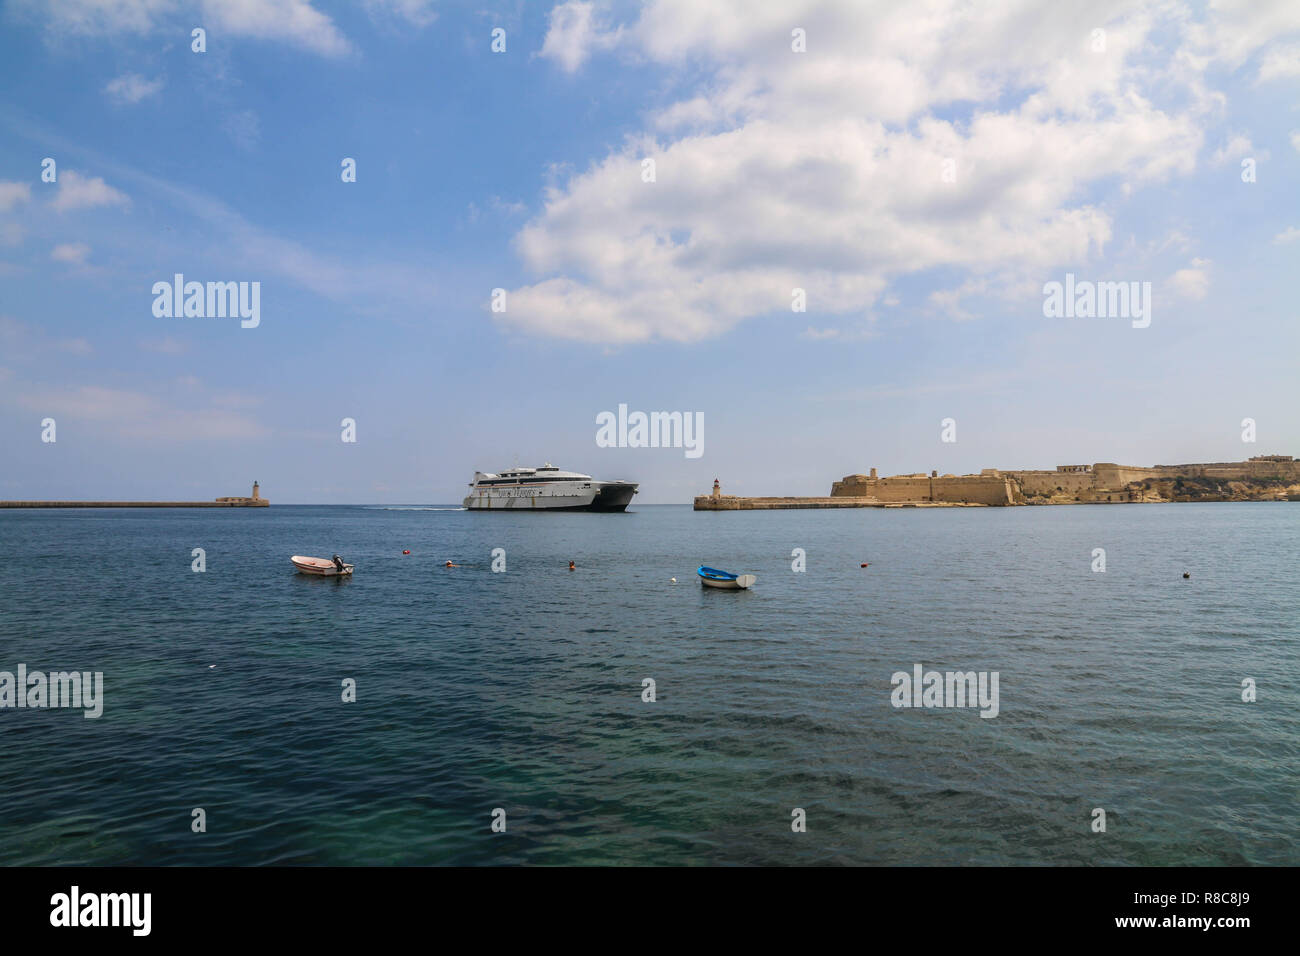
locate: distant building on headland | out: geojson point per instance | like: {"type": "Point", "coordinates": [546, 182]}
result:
{"type": "Point", "coordinates": [1262, 478]}
{"type": "Point", "coordinates": [256, 501]}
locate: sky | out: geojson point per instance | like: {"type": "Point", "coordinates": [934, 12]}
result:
{"type": "Point", "coordinates": [826, 227]}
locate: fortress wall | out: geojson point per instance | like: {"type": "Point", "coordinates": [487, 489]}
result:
{"type": "Point", "coordinates": [850, 486]}
{"type": "Point", "coordinates": [1111, 475]}
{"type": "Point", "coordinates": [882, 489]}
{"type": "Point", "coordinates": [901, 489]}
{"type": "Point", "coordinates": [1267, 469]}
{"type": "Point", "coordinates": [979, 489]}
{"type": "Point", "coordinates": [1107, 495]}
{"type": "Point", "coordinates": [1232, 469]}
{"type": "Point", "coordinates": [1009, 487]}
{"type": "Point", "coordinates": [1047, 482]}
{"type": "Point", "coordinates": [1117, 476]}
{"type": "Point", "coordinates": [990, 490]}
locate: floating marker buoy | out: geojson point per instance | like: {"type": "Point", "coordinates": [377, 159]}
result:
{"type": "Point", "coordinates": [1186, 575]}
{"type": "Point", "coordinates": [673, 580]}
{"type": "Point", "coordinates": [406, 552]}
{"type": "Point", "coordinates": [866, 564]}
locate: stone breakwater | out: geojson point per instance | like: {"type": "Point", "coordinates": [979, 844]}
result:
{"type": "Point", "coordinates": [735, 503]}
{"type": "Point", "coordinates": [232, 503]}
{"type": "Point", "coordinates": [255, 500]}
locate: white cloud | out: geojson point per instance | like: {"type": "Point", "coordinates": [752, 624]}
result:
{"type": "Point", "coordinates": [372, 283]}
{"type": "Point", "coordinates": [507, 207]}
{"type": "Point", "coordinates": [11, 194]}
{"type": "Point", "coordinates": [574, 33]}
{"type": "Point", "coordinates": [1235, 149]}
{"type": "Point", "coordinates": [949, 301]}
{"type": "Point", "coordinates": [167, 345]}
{"type": "Point", "coordinates": [819, 335]}
{"type": "Point", "coordinates": [1295, 140]}
{"type": "Point", "coordinates": [1235, 31]}
{"type": "Point", "coordinates": [100, 16]}
{"type": "Point", "coordinates": [130, 88]}
{"type": "Point", "coordinates": [92, 403]}
{"type": "Point", "coordinates": [1192, 282]}
{"type": "Point", "coordinates": [823, 169]}
{"type": "Point", "coordinates": [291, 21]}
{"type": "Point", "coordinates": [81, 192]}
{"type": "Point", "coordinates": [418, 13]}
{"type": "Point", "coordinates": [860, 333]}
{"type": "Point", "coordinates": [138, 415]}
{"type": "Point", "coordinates": [1290, 234]}
{"type": "Point", "coordinates": [25, 344]}
{"type": "Point", "coordinates": [1280, 63]}
{"type": "Point", "coordinates": [73, 253]}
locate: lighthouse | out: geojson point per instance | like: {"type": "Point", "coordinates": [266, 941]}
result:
{"type": "Point", "coordinates": [256, 491]}
{"type": "Point", "coordinates": [717, 489]}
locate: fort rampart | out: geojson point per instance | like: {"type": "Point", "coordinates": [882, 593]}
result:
{"type": "Point", "coordinates": [1101, 482]}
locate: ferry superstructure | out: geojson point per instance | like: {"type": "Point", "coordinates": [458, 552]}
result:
{"type": "Point", "coordinates": [546, 489]}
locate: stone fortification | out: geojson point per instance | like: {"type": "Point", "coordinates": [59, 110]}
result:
{"type": "Point", "coordinates": [1265, 477]}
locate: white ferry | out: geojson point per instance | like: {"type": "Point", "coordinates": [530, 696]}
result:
{"type": "Point", "coordinates": [546, 488]}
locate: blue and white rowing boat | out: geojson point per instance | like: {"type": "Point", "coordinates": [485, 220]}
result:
{"type": "Point", "coordinates": [713, 578]}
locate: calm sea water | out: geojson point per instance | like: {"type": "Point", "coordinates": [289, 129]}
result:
{"type": "Point", "coordinates": [522, 690]}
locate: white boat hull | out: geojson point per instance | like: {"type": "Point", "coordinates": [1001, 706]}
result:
{"type": "Point", "coordinates": [586, 496]}
{"type": "Point", "coordinates": [740, 583]}
{"type": "Point", "coordinates": [721, 585]}
{"type": "Point", "coordinates": [321, 567]}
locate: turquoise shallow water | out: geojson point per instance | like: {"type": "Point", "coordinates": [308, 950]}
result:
{"type": "Point", "coordinates": [522, 690]}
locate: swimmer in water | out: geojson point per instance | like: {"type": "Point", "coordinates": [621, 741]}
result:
{"type": "Point", "coordinates": [450, 565]}
{"type": "Point", "coordinates": [572, 567]}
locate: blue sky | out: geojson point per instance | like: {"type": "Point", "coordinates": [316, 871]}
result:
{"type": "Point", "coordinates": [522, 171]}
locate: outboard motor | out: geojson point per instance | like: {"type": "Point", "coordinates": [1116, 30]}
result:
{"type": "Point", "coordinates": [338, 562]}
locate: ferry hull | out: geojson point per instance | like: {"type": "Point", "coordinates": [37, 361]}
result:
{"type": "Point", "coordinates": [610, 496]}
{"type": "Point", "coordinates": [614, 496]}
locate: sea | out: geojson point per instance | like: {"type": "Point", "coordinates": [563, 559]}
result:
{"type": "Point", "coordinates": [510, 711]}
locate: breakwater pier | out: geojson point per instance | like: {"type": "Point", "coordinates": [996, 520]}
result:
{"type": "Point", "coordinates": [736, 503]}
{"type": "Point", "coordinates": [253, 501]}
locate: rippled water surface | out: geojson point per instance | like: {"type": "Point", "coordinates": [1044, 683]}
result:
{"type": "Point", "coordinates": [522, 690]}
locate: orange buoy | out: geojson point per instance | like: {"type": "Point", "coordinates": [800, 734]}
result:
{"type": "Point", "coordinates": [406, 552]}
{"type": "Point", "coordinates": [866, 564]}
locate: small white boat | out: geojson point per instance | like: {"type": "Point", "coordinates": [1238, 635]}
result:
{"type": "Point", "coordinates": [325, 567]}
{"type": "Point", "coordinates": [713, 578]}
